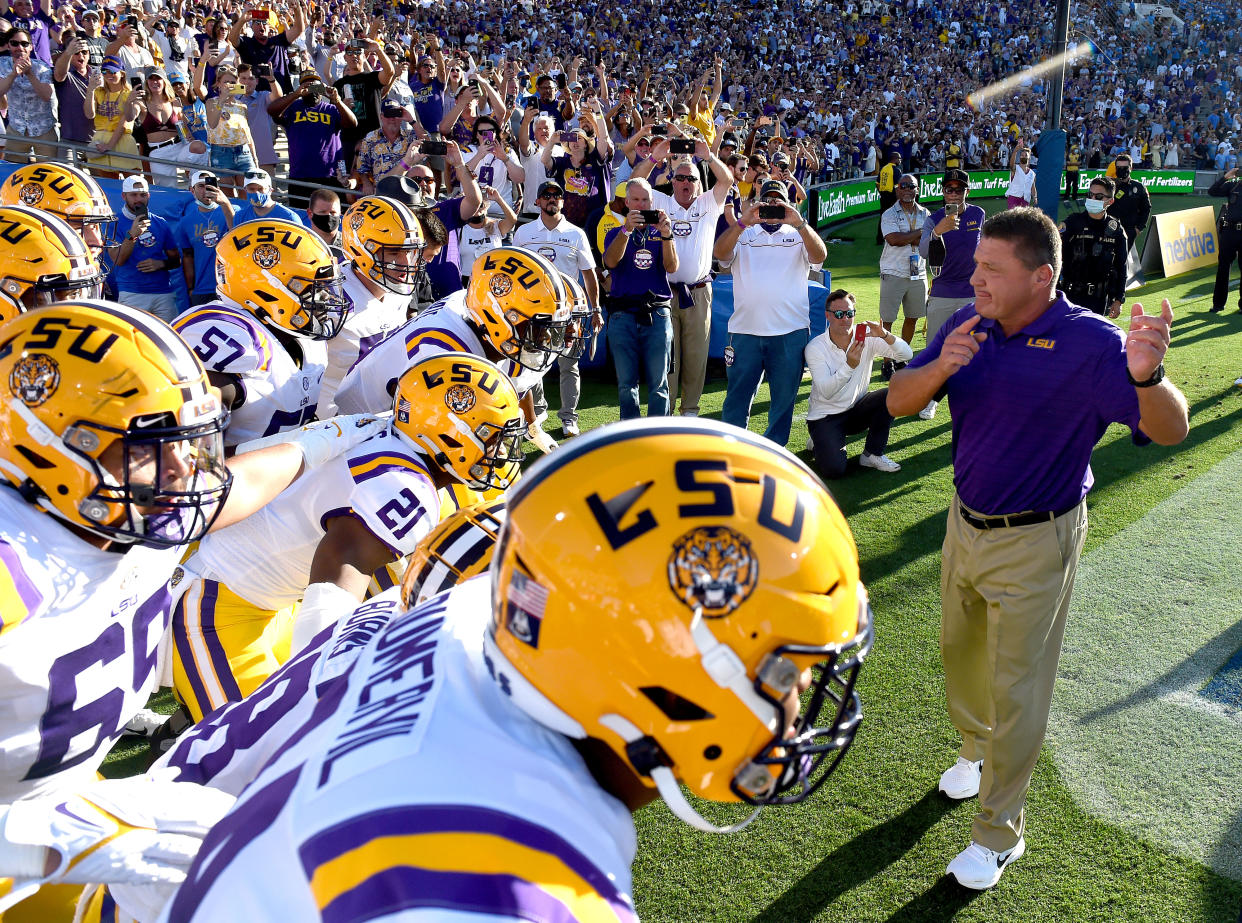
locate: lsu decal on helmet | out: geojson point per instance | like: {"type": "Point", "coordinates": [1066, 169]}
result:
{"type": "Point", "coordinates": [68, 193]}
{"type": "Point", "coordinates": [519, 302]}
{"type": "Point", "coordinates": [665, 586]}
{"type": "Point", "coordinates": [578, 333]}
{"type": "Point", "coordinates": [385, 242]}
{"type": "Point", "coordinates": [459, 548]}
{"type": "Point", "coordinates": [42, 261]}
{"type": "Point", "coordinates": [463, 412]}
{"type": "Point", "coordinates": [109, 423]}
{"type": "Point", "coordinates": [284, 275]}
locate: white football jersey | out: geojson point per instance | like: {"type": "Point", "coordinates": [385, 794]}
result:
{"type": "Point", "coordinates": [80, 636]}
{"type": "Point", "coordinates": [413, 790]}
{"type": "Point", "coordinates": [440, 328]}
{"type": "Point", "coordinates": [280, 394]}
{"type": "Point", "coordinates": [371, 319]}
{"type": "Point", "coordinates": [384, 482]}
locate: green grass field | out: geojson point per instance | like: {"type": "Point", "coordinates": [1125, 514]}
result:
{"type": "Point", "coordinates": [874, 842]}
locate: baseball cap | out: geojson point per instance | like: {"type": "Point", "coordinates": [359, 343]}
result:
{"type": "Point", "coordinates": [391, 109]}
{"type": "Point", "coordinates": [956, 176]}
{"type": "Point", "coordinates": [780, 157]}
{"type": "Point", "coordinates": [94, 13]}
{"type": "Point", "coordinates": [726, 107]}
{"type": "Point", "coordinates": [619, 192]}
{"type": "Point", "coordinates": [198, 176]}
{"type": "Point", "coordinates": [113, 64]}
{"type": "Point", "coordinates": [135, 184]}
{"type": "Point", "coordinates": [257, 177]}
{"type": "Point", "coordinates": [548, 186]}
{"type": "Point", "coordinates": [157, 72]}
{"type": "Point", "coordinates": [176, 76]}
{"type": "Point", "coordinates": [774, 187]}
{"type": "Point", "coordinates": [425, 60]}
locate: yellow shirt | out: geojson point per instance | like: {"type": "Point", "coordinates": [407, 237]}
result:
{"type": "Point", "coordinates": [108, 108]}
{"type": "Point", "coordinates": [953, 159]}
{"type": "Point", "coordinates": [702, 120]}
{"type": "Point", "coordinates": [607, 223]}
{"type": "Point", "coordinates": [232, 130]}
{"type": "Point", "coordinates": [888, 178]}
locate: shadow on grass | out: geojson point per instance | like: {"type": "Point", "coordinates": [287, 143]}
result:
{"type": "Point", "coordinates": [861, 859]}
{"type": "Point", "coordinates": [938, 904]}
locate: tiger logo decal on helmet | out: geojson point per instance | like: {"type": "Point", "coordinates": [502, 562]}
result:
{"type": "Point", "coordinates": [459, 398]}
{"type": "Point", "coordinates": [68, 193]}
{"type": "Point", "coordinates": [34, 379]}
{"type": "Point", "coordinates": [713, 569]}
{"type": "Point", "coordinates": [30, 194]}
{"type": "Point", "coordinates": [521, 306]}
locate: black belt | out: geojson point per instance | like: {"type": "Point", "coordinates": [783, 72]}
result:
{"type": "Point", "coordinates": [1015, 519]}
{"type": "Point", "coordinates": [165, 143]}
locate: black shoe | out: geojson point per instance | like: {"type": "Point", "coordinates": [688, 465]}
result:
{"type": "Point", "coordinates": [898, 366]}
{"type": "Point", "coordinates": [1217, 308]}
{"type": "Point", "coordinates": [886, 370]}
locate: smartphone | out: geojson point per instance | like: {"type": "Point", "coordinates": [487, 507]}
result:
{"type": "Point", "coordinates": [487, 136]}
{"type": "Point", "coordinates": [741, 116]}
{"type": "Point", "coordinates": [772, 212]}
{"type": "Point", "coordinates": [681, 146]}
{"type": "Point", "coordinates": [260, 14]}
{"type": "Point", "coordinates": [140, 211]}
{"type": "Point", "coordinates": [561, 81]}
{"type": "Point", "coordinates": [567, 137]}
{"type": "Point", "coordinates": [236, 89]}
{"type": "Point", "coordinates": [651, 216]}
{"type": "Point", "coordinates": [434, 148]}
{"type": "Point", "coordinates": [953, 208]}
{"type": "Point", "coordinates": [263, 70]}
{"type": "Point", "coordinates": [211, 181]}
{"type": "Point", "coordinates": [135, 83]}
{"type": "Point", "coordinates": [860, 333]}
{"type": "Point", "coordinates": [659, 131]}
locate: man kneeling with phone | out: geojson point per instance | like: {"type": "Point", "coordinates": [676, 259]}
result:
{"type": "Point", "coordinates": [840, 360]}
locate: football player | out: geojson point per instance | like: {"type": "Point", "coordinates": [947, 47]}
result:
{"type": "Point", "coordinates": [384, 243]}
{"type": "Point", "coordinates": [68, 193]}
{"type": "Point", "coordinates": [661, 593]}
{"type": "Point", "coordinates": [515, 312]}
{"type": "Point", "coordinates": [459, 548]}
{"type": "Point", "coordinates": [111, 460]}
{"type": "Point", "coordinates": [262, 342]}
{"type": "Point", "coordinates": [456, 419]}
{"type": "Point", "coordinates": [42, 261]}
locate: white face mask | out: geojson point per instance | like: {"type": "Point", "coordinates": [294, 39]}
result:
{"type": "Point", "coordinates": [1093, 206]}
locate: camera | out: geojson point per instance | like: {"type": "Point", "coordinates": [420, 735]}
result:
{"type": "Point", "coordinates": [681, 146]}
{"type": "Point", "coordinates": [651, 216]}
{"type": "Point", "coordinates": [953, 208]}
{"type": "Point", "coordinates": [772, 212]}
{"type": "Point", "coordinates": [561, 81]}
{"type": "Point", "coordinates": [357, 44]}
{"type": "Point", "coordinates": [435, 148]}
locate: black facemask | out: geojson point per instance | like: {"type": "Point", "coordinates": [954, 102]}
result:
{"type": "Point", "coordinates": [1123, 172]}
{"type": "Point", "coordinates": [329, 223]}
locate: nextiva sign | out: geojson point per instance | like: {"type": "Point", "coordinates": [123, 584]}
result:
{"type": "Point", "coordinates": [1187, 239]}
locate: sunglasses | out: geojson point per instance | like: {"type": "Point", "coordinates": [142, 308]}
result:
{"type": "Point", "coordinates": [686, 177]}
{"type": "Point", "coordinates": [905, 185]}
{"type": "Point", "coordinates": [423, 179]}
{"type": "Point", "coordinates": [957, 190]}
{"type": "Point", "coordinates": [552, 195]}
{"type": "Point", "coordinates": [19, 44]}
{"type": "Point", "coordinates": [1098, 196]}
{"type": "Point", "coordinates": [841, 315]}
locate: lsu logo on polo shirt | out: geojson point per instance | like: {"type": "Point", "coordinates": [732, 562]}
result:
{"type": "Point", "coordinates": [1041, 342]}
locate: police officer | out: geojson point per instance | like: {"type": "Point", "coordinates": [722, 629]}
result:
{"type": "Point", "coordinates": [1131, 203]}
{"type": "Point", "coordinates": [1093, 247]}
{"type": "Point", "coordinates": [1229, 247]}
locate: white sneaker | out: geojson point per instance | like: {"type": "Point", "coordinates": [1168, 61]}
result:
{"type": "Point", "coordinates": [878, 462]}
{"type": "Point", "coordinates": [569, 427]}
{"type": "Point", "coordinates": [145, 724]}
{"type": "Point", "coordinates": [980, 868]}
{"type": "Point", "coordinates": [928, 412]}
{"type": "Point", "coordinates": [961, 780]}
{"type": "Point", "coordinates": [1238, 382]}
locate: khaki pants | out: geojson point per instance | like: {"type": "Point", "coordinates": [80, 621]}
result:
{"type": "Point", "coordinates": [692, 334]}
{"type": "Point", "coordinates": [1005, 594]}
{"type": "Point", "coordinates": [940, 310]}
{"type": "Point", "coordinates": [20, 149]}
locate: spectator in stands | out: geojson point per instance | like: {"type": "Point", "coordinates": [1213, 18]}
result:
{"type": "Point", "coordinates": [38, 25]}
{"type": "Point", "coordinates": [146, 253]}
{"type": "Point", "coordinates": [535, 133]}
{"type": "Point", "coordinates": [263, 46]}
{"type": "Point", "coordinates": [583, 170]}
{"type": "Point", "coordinates": [72, 78]}
{"type": "Point", "coordinates": [639, 256]}
{"type": "Point", "coordinates": [228, 131]}
{"type": "Point", "coordinates": [324, 217]}
{"type": "Point", "coordinates": [202, 225]}
{"type": "Point", "coordinates": [160, 135]}
{"type": "Point", "coordinates": [384, 150]}
{"type": "Point", "coordinates": [428, 89]}
{"type": "Point", "coordinates": [261, 204]}
{"type": "Point", "coordinates": [771, 259]}
{"type": "Point", "coordinates": [95, 42]}
{"type": "Point", "coordinates": [262, 128]}
{"type": "Point", "coordinates": [130, 45]}
{"type": "Point", "coordinates": [483, 232]}
{"type": "Point", "coordinates": [452, 214]}
{"type": "Point", "coordinates": [313, 124]}
{"type": "Point", "coordinates": [27, 91]}
{"type": "Point", "coordinates": [358, 94]}
{"type": "Point", "coordinates": [494, 164]}
{"type": "Point", "coordinates": [903, 270]}
{"type": "Point", "coordinates": [112, 108]}
{"type": "Point", "coordinates": [840, 360]}
{"type": "Point", "coordinates": [886, 186]}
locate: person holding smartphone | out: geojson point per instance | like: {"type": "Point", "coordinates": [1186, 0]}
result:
{"type": "Point", "coordinates": [27, 92]}
{"type": "Point", "coordinates": [112, 106]}
{"type": "Point", "coordinates": [840, 360]}
{"type": "Point", "coordinates": [199, 230]}
{"type": "Point", "coordinates": [146, 253]}
{"type": "Point", "coordinates": [71, 76]}
{"type": "Point", "coordinates": [494, 164]}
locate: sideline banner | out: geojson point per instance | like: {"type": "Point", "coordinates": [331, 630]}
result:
{"type": "Point", "coordinates": [1181, 241]}
{"type": "Point", "coordinates": [858, 198]}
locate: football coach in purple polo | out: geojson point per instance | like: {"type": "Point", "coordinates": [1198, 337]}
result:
{"type": "Point", "coordinates": [1033, 381]}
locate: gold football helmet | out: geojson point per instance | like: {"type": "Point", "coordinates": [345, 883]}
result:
{"type": "Point", "coordinates": [463, 412]}
{"type": "Point", "coordinates": [519, 302]}
{"type": "Point", "coordinates": [459, 548]}
{"type": "Point", "coordinates": [109, 423]}
{"type": "Point", "coordinates": [385, 242]}
{"type": "Point", "coordinates": [42, 261]}
{"type": "Point", "coordinates": [284, 275]}
{"type": "Point", "coordinates": [578, 333]}
{"type": "Point", "coordinates": [68, 193]}
{"type": "Point", "coordinates": [663, 586]}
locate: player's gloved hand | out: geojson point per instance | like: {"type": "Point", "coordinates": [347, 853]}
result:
{"type": "Point", "coordinates": [136, 831]}
{"type": "Point", "coordinates": [326, 439]}
{"type": "Point", "coordinates": [543, 442]}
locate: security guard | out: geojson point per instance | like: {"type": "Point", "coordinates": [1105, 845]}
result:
{"type": "Point", "coordinates": [1229, 247]}
{"type": "Point", "coordinates": [1093, 248]}
{"type": "Point", "coordinates": [886, 186]}
{"type": "Point", "coordinates": [1131, 203]}
{"type": "Point", "coordinates": [1073, 161]}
